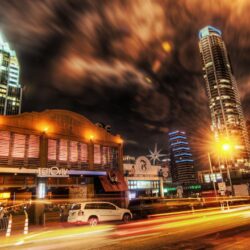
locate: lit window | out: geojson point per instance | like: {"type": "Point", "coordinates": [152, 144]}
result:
{"type": "Point", "coordinates": [4, 143]}
{"type": "Point", "coordinates": [97, 154]}
{"type": "Point", "coordinates": [63, 150]}
{"type": "Point", "coordinates": [83, 152]}
{"type": "Point", "coordinates": [52, 149]}
{"type": "Point", "coordinates": [73, 151]}
{"type": "Point", "coordinates": [18, 146]}
{"type": "Point", "coordinates": [33, 146]}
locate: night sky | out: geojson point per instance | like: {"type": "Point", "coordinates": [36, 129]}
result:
{"type": "Point", "coordinates": [132, 64]}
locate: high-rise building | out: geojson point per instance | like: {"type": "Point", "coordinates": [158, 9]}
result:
{"type": "Point", "coordinates": [181, 158]}
{"type": "Point", "coordinates": [10, 88]}
{"type": "Point", "coordinates": [224, 101]}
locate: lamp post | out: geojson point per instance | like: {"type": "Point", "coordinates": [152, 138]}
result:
{"type": "Point", "coordinates": [212, 174]}
{"type": "Point", "coordinates": [226, 147]}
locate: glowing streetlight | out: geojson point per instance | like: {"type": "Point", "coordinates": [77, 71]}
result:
{"type": "Point", "coordinates": [226, 147]}
{"type": "Point", "coordinates": [166, 46]}
{"type": "Point", "coordinates": [223, 148]}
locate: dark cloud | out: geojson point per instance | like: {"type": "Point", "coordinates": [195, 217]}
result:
{"type": "Point", "coordinates": [133, 64]}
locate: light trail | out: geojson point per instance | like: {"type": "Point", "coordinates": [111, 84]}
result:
{"type": "Point", "coordinates": [170, 225]}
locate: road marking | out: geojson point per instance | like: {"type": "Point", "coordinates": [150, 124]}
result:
{"type": "Point", "coordinates": [32, 236]}
{"type": "Point", "coordinates": [19, 243]}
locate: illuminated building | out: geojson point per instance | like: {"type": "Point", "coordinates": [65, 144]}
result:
{"type": "Point", "coordinates": [224, 101]}
{"type": "Point", "coordinates": [59, 154]}
{"type": "Point", "coordinates": [144, 179]}
{"type": "Point", "coordinates": [182, 163]}
{"type": "Point", "coordinates": [10, 88]}
{"type": "Point", "coordinates": [238, 176]}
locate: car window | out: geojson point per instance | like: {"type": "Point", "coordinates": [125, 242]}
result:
{"type": "Point", "coordinates": [107, 206]}
{"type": "Point", "coordinates": [92, 206]}
{"type": "Point", "coordinates": [75, 207]}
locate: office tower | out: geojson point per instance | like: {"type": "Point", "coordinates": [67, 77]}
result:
{"type": "Point", "coordinates": [181, 159]}
{"type": "Point", "coordinates": [10, 88]}
{"type": "Point", "coordinates": [224, 101]}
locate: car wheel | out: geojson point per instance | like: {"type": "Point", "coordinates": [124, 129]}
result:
{"type": "Point", "coordinates": [93, 221]}
{"type": "Point", "coordinates": [126, 218]}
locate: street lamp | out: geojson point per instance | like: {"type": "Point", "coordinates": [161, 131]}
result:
{"type": "Point", "coordinates": [223, 149]}
{"type": "Point", "coordinates": [227, 148]}
{"type": "Point", "coordinates": [212, 178]}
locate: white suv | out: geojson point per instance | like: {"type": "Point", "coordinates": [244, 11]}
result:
{"type": "Point", "coordinates": [95, 212]}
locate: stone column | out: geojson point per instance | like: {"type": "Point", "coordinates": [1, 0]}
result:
{"type": "Point", "coordinates": [161, 188]}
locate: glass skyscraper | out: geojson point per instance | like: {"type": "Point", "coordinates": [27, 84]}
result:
{"type": "Point", "coordinates": [10, 88]}
{"type": "Point", "coordinates": [181, 158]}
{"type": "Point", "coordinates": [224, 101]}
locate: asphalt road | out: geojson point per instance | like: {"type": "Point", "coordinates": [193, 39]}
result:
{"type": "Point", "coordinates": [209, 229]}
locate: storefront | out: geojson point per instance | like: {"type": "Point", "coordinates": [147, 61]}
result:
{"type": "Point", "coordinates": [56, 154]}
{"type": "Point", "coordinates": [144, 179]}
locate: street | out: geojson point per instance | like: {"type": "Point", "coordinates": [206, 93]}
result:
{"type": "Point", "coordinates": [206, 229]}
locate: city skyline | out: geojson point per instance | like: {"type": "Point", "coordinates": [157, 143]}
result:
{"type": "Point", "coordinates": [107, 77]}
{"type": "Point", "coordinates": [124, 124]}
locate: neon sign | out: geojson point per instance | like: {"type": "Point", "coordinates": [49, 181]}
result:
{"type": "Point", "coordinates": [53, 172]}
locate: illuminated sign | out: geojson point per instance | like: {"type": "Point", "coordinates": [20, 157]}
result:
{"type": "Point", "coordinates": [53, 172]}
{"type": "Point", "coordinates": [168, 189]}
{"type": "Point", "coordinates": [4, 195]}
{"type": "Point", "coordinates": [212, 177]}
{"type": "Point", "coordinates": [192, 187]}
{"type": "Point", "coordinates": [142, 165]}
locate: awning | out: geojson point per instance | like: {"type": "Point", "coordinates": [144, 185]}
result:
{"type": "Point", "coordinates": [113, 182]}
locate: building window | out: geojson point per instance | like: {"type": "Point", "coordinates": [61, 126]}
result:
{"type": "Point", "coordinates": [73, 152]}
{"type": "Point", "coordinates": [105, 155]}
{"type": "Point", "coordinates": [33, 146]}
{"type": "Point", "coordinates": [83, 152]}
{"type": "Point", "coordinates": [97, 154]}
{"type": "Point", "coordinates": [63, 150]}
{"type": "Point", "coordinates": [4, 143]}
{"type": "Point", "coordinates": [52, 150]}
{"type": "Point", "coordinates": [18, 146]}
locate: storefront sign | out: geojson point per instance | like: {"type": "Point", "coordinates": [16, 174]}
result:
{"type": "Point", "coordinates": [142, 165]}
{"type": "Point", "coordinates": [53, 172]}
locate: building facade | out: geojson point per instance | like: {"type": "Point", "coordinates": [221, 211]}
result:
{"type": "Point", "coordinates": [59, 154]}
{"type": "Point", "coordinates": [224, 101]}
{"type": "Point", "coordinates": [181, 158]}
{"type": "Point", "coordinates": [144, 179]}
{"type": "Point", "coordinates": [10, 88]}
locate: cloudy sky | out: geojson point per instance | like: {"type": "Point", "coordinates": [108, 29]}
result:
{"type": "Point", "coordinates": [132, 64]}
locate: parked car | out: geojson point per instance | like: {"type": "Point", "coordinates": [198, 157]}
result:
{"type": "Point", "coordinates": [96, 212]}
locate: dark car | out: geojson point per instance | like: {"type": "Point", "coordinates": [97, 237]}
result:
{"type": "Point", "coordinates": [142, 207]}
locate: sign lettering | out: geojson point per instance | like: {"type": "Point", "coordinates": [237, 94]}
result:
{"type": "Point", "coordinates": [53, 172]}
